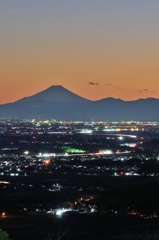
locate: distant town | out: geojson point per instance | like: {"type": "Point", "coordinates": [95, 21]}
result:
{"type": "Point", "coordinates": [112, 148]}
{"type": "Point", "coordinates": [50, 167]}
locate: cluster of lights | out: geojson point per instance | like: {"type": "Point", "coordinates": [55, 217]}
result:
{"type": "Point", "coordinates": [60, 212]}
{"type": "Point", "coordinates": [86, 131]}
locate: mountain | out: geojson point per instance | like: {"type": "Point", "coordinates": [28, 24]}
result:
{"type": "Point", "coordinates": [55, 94]}
{"type": "Point", "coordinates": [57, 102]}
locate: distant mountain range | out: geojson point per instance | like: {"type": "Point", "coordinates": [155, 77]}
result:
{"type": "Point", "coordinates": [57, 102]}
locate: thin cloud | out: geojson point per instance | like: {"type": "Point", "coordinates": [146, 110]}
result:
{"type": "Point", "coordinates": [93, 83]}
{"type": "Point", "coordinates": [146, 90]}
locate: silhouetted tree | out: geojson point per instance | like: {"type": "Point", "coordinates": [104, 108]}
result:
{"type": "Point", "coordinates": [4, 235]}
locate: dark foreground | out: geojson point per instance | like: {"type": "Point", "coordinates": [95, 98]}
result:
{"type": "Point", "coordinates": [47, 227]}
{"type": "Point", "coordinates": [76, 226]}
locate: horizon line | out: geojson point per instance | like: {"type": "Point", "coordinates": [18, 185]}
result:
{"type": "Point", "coordinates": [79, 96]}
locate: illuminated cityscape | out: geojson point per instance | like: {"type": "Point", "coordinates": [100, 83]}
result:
{"type": "Point", "coordinates": [56, 168]}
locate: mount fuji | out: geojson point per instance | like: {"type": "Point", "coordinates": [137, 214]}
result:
{"type": "Point", "coordinates": [59, 103]}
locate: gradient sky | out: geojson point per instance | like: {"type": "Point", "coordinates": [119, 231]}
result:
{"type": "Point", "coordinates": [95, 48]}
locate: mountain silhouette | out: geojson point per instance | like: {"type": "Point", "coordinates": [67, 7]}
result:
{"type": "Point", "coordinates": [57, 102]}
{"type": "Point", "coordinates": [55, 94]}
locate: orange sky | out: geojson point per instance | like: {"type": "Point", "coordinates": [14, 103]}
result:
{"type": "Point", "coordinates": [109, 49]}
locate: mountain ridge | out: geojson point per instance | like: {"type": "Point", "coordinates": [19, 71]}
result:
{"type": "Point", "coordinates": [56, 102]}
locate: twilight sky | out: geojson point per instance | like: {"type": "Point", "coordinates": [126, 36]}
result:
{"type": "Point", "coordinates": [95, 48]}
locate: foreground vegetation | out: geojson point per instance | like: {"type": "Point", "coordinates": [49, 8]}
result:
{"type": "Point", "coordinates": [4, 235]}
